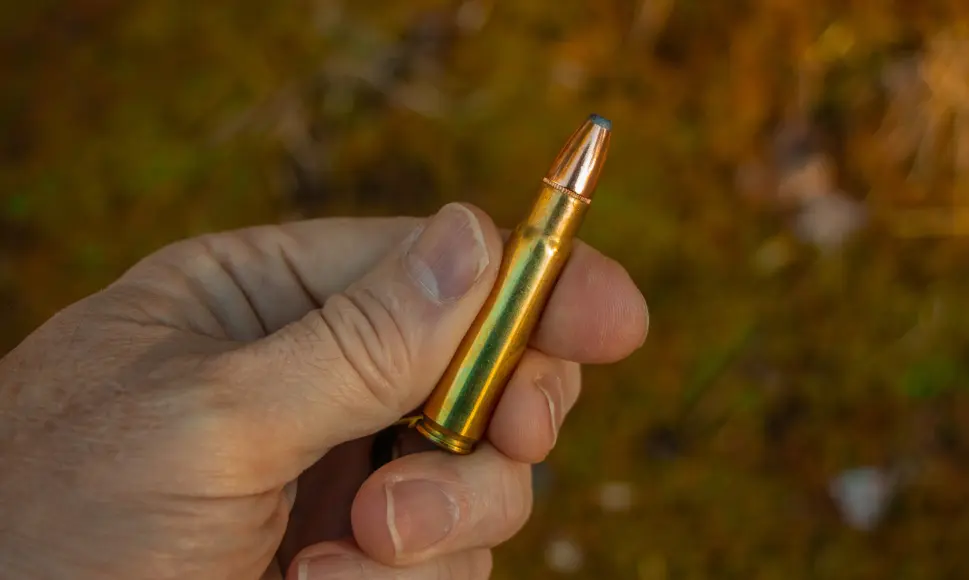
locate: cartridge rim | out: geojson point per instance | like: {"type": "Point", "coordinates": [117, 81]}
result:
{"type": "Point", "coordinates": [444, 438]}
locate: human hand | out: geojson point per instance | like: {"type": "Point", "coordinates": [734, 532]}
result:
{"type": "Point", "coordinates": [162, 427]}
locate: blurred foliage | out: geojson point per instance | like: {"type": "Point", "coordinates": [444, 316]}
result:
{"type": "Point", "coordinates": [771, 366]}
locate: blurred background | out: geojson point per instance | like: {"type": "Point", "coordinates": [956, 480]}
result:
{"type": "Point", "coordinates": [786, 183]}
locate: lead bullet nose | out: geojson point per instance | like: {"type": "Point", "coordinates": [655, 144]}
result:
{"type": "Point", "coordinates": [579, 163]}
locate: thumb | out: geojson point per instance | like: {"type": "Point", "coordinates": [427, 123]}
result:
{"type": "Point", "coordinates": [373, 352]}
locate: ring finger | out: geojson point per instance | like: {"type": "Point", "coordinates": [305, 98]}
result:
{"type": "Point", "coordinates": [532, 409]}
{"type": "Point", "coordinates": [526, 422]}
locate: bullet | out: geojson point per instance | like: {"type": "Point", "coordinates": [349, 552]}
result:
{"type": "Point", "coordinates": [459, 409]}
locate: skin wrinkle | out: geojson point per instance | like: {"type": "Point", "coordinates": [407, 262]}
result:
{"type": "Point", "coordinates": [211, 328]}
{"type": "Point", "coordinates": [203, 265]}
{"type": "Point", "coordinates": [253, 253]}
{"type": "Point", "coordinates": [194, 269]}
{"type": "Point", "coordinates": [259, 557]}
{"type": "Point", "coordinates": [198, 291]}
{"type": "Point", "coordinates": [339, 395]}
{"type": "Point", "coordinates": [412, 334]}
{"type": "Point", "coordinates": [274, 529]}
{"type": "Point", "coordinates": [389, 338]}
{"type": "Point", "coordinates": [268, 244]}
{"type": "Point", "coordinates": [297, 276]}
{"type": "Point", "coordinates": [345, 325]}
{"type": "Point", "coordinates": [229, 269]}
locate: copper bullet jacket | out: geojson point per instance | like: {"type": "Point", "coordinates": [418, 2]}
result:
{"type": "Point", "coordinates": [459, 409]}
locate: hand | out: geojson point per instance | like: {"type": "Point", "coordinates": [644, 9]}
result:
{"type": "Point", "coordinates": [162, 427]}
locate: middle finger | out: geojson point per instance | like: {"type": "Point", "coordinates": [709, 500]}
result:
{"type": "Point", "coordinates": [533, 406]}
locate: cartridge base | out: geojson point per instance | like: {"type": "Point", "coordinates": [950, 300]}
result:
{"type": "Point", "coordinates": [444, 438]}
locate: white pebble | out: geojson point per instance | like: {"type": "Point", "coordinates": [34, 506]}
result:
{"type": "Point", "coordinates": [615, 496]}
{"type": "Point", "coordinates": [563, 556]}
{"type": "Point", "coordinates": [472, 15]}
{"type": "Point", "coordinates": [862, 495]}
{"type": "Point", "coordinates": [827, 221]}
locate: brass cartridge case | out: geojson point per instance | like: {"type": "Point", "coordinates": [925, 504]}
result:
{"type": "Point", "coordinates": [458, 411]}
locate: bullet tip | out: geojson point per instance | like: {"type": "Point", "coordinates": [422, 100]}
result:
{"type": "Point", "coordinates": [578, 164]}
{"type": "Point", "coordinates": [601, 121]}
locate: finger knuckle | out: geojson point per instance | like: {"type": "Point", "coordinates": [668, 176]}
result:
{"type": "Point", "coordinates": [371, 343]}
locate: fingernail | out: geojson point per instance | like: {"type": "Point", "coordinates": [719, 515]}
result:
{"type": "Point", "coordinates": [289, 491]}
{"type": "Point", "coordinates": [330, 568]}
{"type": "Point", "coordinates": [449, 255]}
{"type": "Point", "coordinates": [642, 340]}
{"type": "Point", "coordinates": [419, 514]}
{"type": "Point", "coordinates": [551, 388]}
